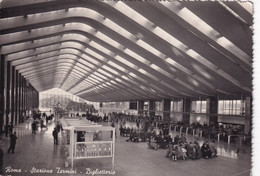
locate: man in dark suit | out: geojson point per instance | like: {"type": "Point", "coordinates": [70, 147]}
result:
{"type": "Point", "coordinates": [13, 139]}
{"type": "Point", "coordinates": [55, 136]}
{"type": "Point", "coordinates": [34, 127]}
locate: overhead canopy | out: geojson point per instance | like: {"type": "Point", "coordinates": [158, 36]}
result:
{"type": "Point", "coordinates": [130, 50]}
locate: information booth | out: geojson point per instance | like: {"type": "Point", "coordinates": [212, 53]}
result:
{"type": "Point", "coordinates": [83, 139]}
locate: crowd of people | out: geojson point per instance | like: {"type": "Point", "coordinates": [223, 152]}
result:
{"type": "Point", "coordinates": [191, 150]}
{"type": "Point", "coordinates": [143, 130]}
{"type": "Point", "coordinates": [178, 147]}
{"type": "Point", "coordinates": [149, 123]}
{"type": "Point", "coordinates": [135, 135]}
{"type": "Point", "coordinates": [38, 121]}
{"type": "Point", "coordinates": [159, 140]}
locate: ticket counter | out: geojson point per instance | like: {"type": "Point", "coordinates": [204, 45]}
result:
{"type": "Point", "coordinates": [84, 140]}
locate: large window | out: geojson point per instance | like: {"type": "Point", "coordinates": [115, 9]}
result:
{"type": "Point", "coordinates": [199, 106]}
{"type": "Point", "coordinates": [231, 107]}
{"type": "Point", "coordinates": [133, 105]}
{"type": "Point", "coordinates": [57, 98]}
{"type": "Point", "coordinates": [146, 104]}
{"type": "Point", "coordinates": [177, 106]}
{"type": "Point", "coordinates": [158, 106]}
{"type": "Point", "coordinates": [109, 105]}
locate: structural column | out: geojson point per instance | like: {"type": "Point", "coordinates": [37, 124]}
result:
{"type": "Point", "coordinates": [35, 98]}
{"type": "Point", "coordinates": [140, 107]}
{"type": "Point", "coordinates": [186, 110]}
{"type": "Point", "coordinates": [151, 108]}
{"type": "Point", "coordinates": [2, 94]}
{"type": "Point", "coordinates": [248, 115]}
{"type": "Point", "coordinates": [20, 98]}
{"type": "Point", "coordinates": [25, 97]}
{"type": "Point", "coordinates": [13, 82]}
{"type": "Point", "coordinates": [22, 109]}
{"type": "Point", "coordinates": [29, 98]}
{"type": "Point", "coordinates": [16, 97]}
{"type": "Point", "coordinates": [38, 100]}
{"type": "Point", "coordinates": [166, 109]}
{"type": "Point", "coordinates": [8, 90]}
{"type": "Point", "coordinates": [212, 110]}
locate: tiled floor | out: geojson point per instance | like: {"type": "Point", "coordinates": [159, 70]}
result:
{"type": "Point", "coordinates": [131, 159]}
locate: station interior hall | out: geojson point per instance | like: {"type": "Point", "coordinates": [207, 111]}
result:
{"type": "Point", "coordinates": [128, 87]}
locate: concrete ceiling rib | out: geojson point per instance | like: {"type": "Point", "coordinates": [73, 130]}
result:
{"type": "Point", "coordinates": [85, 49]}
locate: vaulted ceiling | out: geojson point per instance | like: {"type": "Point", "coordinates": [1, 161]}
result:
{"type": "Point", "coordinates": [130, 50]}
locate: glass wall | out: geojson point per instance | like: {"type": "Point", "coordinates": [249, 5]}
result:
{"type": "Point", "coordinates": [158, 106]}
{"type": "Point", "coordinates": [57, 98]}
{"type": "Point", "coordinates": [231, 107]}
{"type": "Point", "coordinates": [199, 106]}
{"type": "Point", "coordinates": [177, 106]}
{"type": "Point", "coordinates": [119, 107]}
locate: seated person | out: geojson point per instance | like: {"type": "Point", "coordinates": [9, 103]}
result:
{"type": "Point", "coordinates": [191, 151]}
{"type": "Point", "coordinates": [131, 137]}
{"type": "Point", "coordinates": [182, 152]}
{"type": "Point", "coordinates": [170, 150]}
{"type": "Point", "coordinates": [212, 148]}
{"type": "Point", "coordinates": [160, 141]}
{"type": "Point", "coordinates": [197, 150]}
{"type": "Point", "coordinates": [135, 137]}
{"type": "Point", "coordinates": [152, 143]}
{"type": "Point", "coordinates": [121, 131]}
{"type": "Point", "coordinates": [143, 136]}
{"type": "Point", "coordinates": [206, 153]}
{"type": "Point", "coordinates": [176, 139]}
{"type": "Point", "coordinates": [175, 152]}
{"type": "Point", "coordinates": [128, 131]}
{"type": "Point", "coordinates": [183, 138]}
{"type": "Point", "coordinates": [168, 139]}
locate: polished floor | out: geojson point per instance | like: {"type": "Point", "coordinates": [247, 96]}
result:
{"type": "Point", "coordinates": [37, 153]}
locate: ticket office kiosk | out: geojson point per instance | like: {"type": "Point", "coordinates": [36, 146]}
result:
{"type": "Point", "coordinates": [87, 142]}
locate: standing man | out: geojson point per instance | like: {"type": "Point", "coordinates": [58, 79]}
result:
{"type": "Point", "coordinates": [13, 138]}
{"type": "Point", "coordinates": [59, 127]}
{"type": "Point", "coordinates": [34, 127]}
{"type": "Point", "coordinates": [55, 136]}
